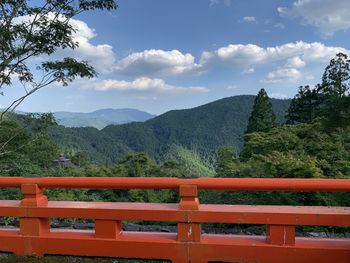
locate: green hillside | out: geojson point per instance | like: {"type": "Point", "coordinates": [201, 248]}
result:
{"type": "Point", "coordinates": [202, 129]}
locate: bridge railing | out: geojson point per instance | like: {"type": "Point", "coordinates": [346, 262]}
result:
{"type": "Point", "coordinates": [35, 236]}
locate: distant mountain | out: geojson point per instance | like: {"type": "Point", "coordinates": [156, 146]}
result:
{"type": "Point", "coordinates": [101, 118]}
{"type": "Point", "coordinates": [202, 129]}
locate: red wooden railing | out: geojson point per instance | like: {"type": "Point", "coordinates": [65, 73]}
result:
{"type": "Point", "coordinates": [189, 244]}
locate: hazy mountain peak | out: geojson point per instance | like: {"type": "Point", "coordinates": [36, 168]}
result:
{"type": "Point", "coordinates": [101, 118]}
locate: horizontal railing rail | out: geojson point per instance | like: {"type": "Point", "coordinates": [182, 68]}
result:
{"type": "Point", "coordinates": [233, 214]}
{"type": "Point", "coordinates": [248, 184]}
{"type": "Point", "coordinates": [189, 244]}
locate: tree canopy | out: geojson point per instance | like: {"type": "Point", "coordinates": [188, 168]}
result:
{"type": "Point", "coordinates": [328, 101]}
{"type": "Point", "coordinates": [30, 30]}
{"type": "Point", "coordinates": [334, 92]}
{"type": "Point", "coordinates": [335, 79]}
{"type": "Point", "coordinates": [305, 106]}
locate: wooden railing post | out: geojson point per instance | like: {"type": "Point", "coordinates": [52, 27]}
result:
{"type": "Point", "coordinates": [188, 232]}
{"type": "Point", "coordinates": [281, 235]}
{"type": "Point", "coordinates": [31, 226]}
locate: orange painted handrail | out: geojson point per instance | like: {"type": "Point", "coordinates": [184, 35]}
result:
{"type": "Point", "coordinates": [249, 184]}
{"type": "Point", "coordinates": [188, 244]}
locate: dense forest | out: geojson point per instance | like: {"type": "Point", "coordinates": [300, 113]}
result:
{"type": "Point", "coordinates": [201, 130]}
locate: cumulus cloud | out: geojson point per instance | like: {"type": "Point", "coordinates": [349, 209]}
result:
{"type": "Point", "coordinates": [100, 56]}
{"type": "Point", "coordinates": [246, 56]}
{"type": "Point", "coordinates": [249, 19]}
{"type": "Point", "coordinates": [289, 72]}
{"type": "Point", "coordinates": [149, 66]}
{"type": "Point", "coordinates": [295, 62]}
{"type": "Point", "coordinates": [283, 74]}
{"type": "Point", "coordinates": [328, 16]}
{"type": "Point", "coordinates": [146, 84]}
{"type": "Point", "coordinates": [156, 62]}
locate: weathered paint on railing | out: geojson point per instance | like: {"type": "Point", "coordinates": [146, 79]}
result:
{"type": "Point", "coordinates": [189, 244]}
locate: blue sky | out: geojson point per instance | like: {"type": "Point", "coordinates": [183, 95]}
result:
{"type": "Point", "coordinates": [158, 55]}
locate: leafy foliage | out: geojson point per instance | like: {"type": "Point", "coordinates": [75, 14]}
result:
{"type": "Point", "coordinates": [305, 143]}
{"type": "Point", "coordinates": [25, 147]}
{"type": "Point", "coordinates": [190, 162]}
{"type": "Point", "coordinates": [226, 161]}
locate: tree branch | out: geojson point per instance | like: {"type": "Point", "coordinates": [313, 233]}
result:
{"type": "Point", "coordinates": [18, 101]}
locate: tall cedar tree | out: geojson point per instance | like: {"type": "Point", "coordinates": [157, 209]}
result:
{"type": "Point", "coordinates": [262, 118]}
{"type": "Point", "coordinates": [335, 79]}
{"type": "Point", "coordinates": [334, 92]}
{"type": "Point", "coordinates": [305, 106]}
{"type": "Point", "coordinates": [328, 100]}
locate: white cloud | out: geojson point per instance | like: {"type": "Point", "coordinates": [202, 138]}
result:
{"type": "Point", "coordinates": [328, 16]}
{"type": "Point", "coordinates": [245, 56]}
{"type": "Point", "coordinates": [283, 74]}
{"type": "Point", "coordinates": [279, 25]}
{"type": "Point", "coordinates": [249, 19]}
{"type": "Point", "coordinates": [146, 84]}
{"type": "Point", "coordinates": [100, 56]}
{"type": "Point", "coordinates": [150, 63]}
{"type": "Point", "coordinates": [289, 72]}
{"type": "Point", "coordinates": [295, 62]}
{"type": "Point", "coordinates": [249, 71]}
{"type": "Point", "coordinates": [149, 66]}
{"type": "Point", "coordinates": [157, 62]}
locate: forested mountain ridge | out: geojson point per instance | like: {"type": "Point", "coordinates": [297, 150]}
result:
{"type": "Point", "coordinates": [100, 118]}
{"type": "Point", "coordinates": [202, 129]}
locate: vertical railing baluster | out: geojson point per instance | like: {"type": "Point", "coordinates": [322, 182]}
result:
{"type": "Point", "coordinates": [188, 231]}
{"type": "Point", "coordinates": [281, 235]}
{"type": "Point", "coordinates": [32, 226]}
{"type": "Point", "coordinates": [107, 228]}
